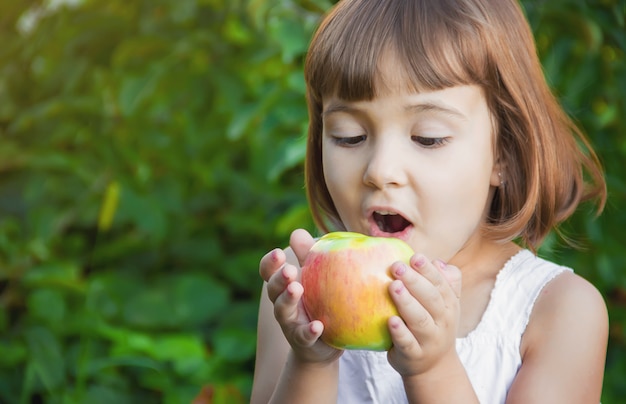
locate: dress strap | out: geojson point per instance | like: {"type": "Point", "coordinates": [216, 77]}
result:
{"type": "Point", "coordinates": [516, 289]}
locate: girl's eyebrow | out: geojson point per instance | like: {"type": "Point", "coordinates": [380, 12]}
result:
{"type": "Point", "coordinates": [427, 106]}
{"type": "Point", "coordinates": [436, 107]}
{"type": "Point", "coordinates": [334, 107]}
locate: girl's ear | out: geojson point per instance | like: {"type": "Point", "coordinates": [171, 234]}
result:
{"type": "Point", "coordinates": [498, 174]}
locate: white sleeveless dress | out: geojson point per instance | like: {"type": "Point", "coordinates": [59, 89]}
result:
{"type": "Point", "coordinates": [490, 353]}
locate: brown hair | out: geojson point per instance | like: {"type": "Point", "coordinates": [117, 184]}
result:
{"type": "Point", "coordinates": [547, 164]}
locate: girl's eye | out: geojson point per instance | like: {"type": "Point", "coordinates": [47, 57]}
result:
{"type": "Point", "coordinates": [429, 142]}
{"type": "Point", "coordinates": [349, 141]}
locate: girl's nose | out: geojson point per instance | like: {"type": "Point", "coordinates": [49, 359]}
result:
{"type": "Point", "coordinates": [386, 165]}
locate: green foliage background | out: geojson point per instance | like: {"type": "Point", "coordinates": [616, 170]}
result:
{"type": "Point", "coordinates": [151, 152]}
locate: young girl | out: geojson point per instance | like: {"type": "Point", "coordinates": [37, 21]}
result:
{"type": "Point", "coordinates": [430, 121]}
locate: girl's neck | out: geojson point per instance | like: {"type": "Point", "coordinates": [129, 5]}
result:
{"type": "Point", "coordinates": [479, 277]}
{"type": "Point", "coordinates": [481, 261]}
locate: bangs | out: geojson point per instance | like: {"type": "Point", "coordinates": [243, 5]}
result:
{"type": "Point", "coordinates": [437, 43]}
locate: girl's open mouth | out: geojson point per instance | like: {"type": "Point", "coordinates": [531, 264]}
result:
{"type": "Point", "coordinates": [390, 223]}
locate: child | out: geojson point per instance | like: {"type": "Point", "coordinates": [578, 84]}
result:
{"type": "Point", "coordinates": [430, 121]}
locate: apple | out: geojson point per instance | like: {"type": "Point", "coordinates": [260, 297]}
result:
{"type": "Point", "coordinates": [346, 279]}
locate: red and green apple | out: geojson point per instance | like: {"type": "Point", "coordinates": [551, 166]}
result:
{"type": "Point", "coordinates": [346, 279]}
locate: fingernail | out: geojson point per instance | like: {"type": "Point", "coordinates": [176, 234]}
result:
{"type": "Point", "coordinates": [274, 255]}
{"type": "Point", "coordinates": [290, 289]}
{"type": "Point", "coordinates": [419, 261]}
{"type": "Point", "coordinates": [441, 264]}
{"type": "Point", "coordinates": [398, 287]}
{"type": "Point", "coordinates": [400, 269]}
{"type": "Point", "coordinates": [284, 273]}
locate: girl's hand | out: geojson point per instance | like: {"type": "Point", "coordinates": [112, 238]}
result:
{"type": "Point", "coordinates": [285, 291]}
{"type": "Point", "coordinates": [427, 297]}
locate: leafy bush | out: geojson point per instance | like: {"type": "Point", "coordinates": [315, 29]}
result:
{"type": "Point", "coordinates": [152, 151]}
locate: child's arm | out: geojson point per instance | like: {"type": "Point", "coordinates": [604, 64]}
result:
{"type": "Point", "coordinates": [564, 347]}
{"type": "Point", "coordinates": [271, 353]}
{"type": "Point", "coordinates": [292, 365]}
{"type": "Point", "coordinates": [277, 369]}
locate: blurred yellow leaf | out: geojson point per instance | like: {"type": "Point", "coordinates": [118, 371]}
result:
{"type": "Point", "coordinates": [109, 206]}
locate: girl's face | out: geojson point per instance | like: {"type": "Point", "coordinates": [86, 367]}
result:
{"type": "Point", "coordinates": [416, 166]}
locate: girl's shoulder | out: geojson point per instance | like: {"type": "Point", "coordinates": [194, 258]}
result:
{"type": "Point", "coordinates": [569, 302]}
{"type": "Point", "coordinates": [536, 295]}
{"type": "Point", "coordinates": [518, 286]}
{"type": "Point", "coordinates": [565, 297]}
{"type": "Point", "coordinates": [564, 300]}
{"type": "Point", "coordinates": [568, 325]}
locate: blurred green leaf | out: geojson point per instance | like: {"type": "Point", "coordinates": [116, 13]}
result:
{"type": "Point", "coordinates": [45, 357]}
{"type": "Point", "coordinates": [234, 345]}
{"type": "Point", "coordinates": [47, 305]}
{"type": "Point", "coordinates": [66, 274]}
{"type": "Point", "coordinates": [12, 353]}
{"type": "Point", "coordinates": [186, 300]}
